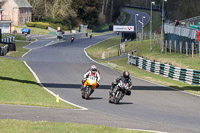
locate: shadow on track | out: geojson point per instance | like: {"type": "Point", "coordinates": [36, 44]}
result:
{"type": "Point", "coordinates": [76, 86]}
{"type": "Point", "coordinates": [107, 87]}
{"type": "Point", "coordinates": [94, 98]}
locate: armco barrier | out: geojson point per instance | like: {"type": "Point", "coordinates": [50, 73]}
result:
{"type": "Point", "coordinates": [189, 76]}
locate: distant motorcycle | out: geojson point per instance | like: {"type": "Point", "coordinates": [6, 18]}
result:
{"type": "Point", "coordinates": [118, 92]}
{"type": "Point", "coordinates": [88, 87]}
{"type": "Point", "coordinates": [90, 36]}
{"type": "Point", "coordinates": [72, 39]}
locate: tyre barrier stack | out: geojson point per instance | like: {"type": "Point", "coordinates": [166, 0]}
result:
{"type": "Point", "coordinates": [8, 45]}
{"type": "Point", "coordinates": [189, 76]}
{"type": "Point", "coordinates": [3, 50]}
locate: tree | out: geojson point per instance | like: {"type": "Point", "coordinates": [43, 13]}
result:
{"type": "Point", "coordinates": [87, 10]}
{"type": "Point", "coordinates": [37, 9]}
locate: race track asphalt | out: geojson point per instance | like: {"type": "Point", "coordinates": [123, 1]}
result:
{"type": "Point", "coordinates": [60, 68]}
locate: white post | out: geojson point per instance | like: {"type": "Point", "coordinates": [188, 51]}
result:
{"type": "Point", "coordinates": [162, 30]}
{"type": "Point", "coordinates": [136, 23]}
{"type": "Point", "coordinates": [143, 27]}
{"type": "Point", "coordinates": [153, 2]}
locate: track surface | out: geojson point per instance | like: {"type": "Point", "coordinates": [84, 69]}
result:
{"type": "Point", "coordinates": [60, 68]}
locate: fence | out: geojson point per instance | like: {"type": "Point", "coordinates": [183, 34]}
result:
{"type": "Point", "coordinates": [8, 39]}
{"type": "Point", "coordinates": [176, 73]}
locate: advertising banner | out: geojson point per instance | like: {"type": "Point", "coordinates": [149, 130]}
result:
{"type": "Point", "coordinates": [123, 28]}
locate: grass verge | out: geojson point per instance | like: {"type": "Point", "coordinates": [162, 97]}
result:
{"type": "Point", "coordinates": [18, 85]}
{"type": "Point", "coordinates": [13, 126]}
{"type": "Point", "coordinates": [34, 30]}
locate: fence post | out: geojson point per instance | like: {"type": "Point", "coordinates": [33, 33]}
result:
{"type": "Point", "coordinates": [165, 46]}
{"type": "Point", "coordinates": [199, 49]}
{"type": "Point", "coordinates": [186, 48]}
{"type": "Point", "coordinates": [180, 47]}
{"type": "Point", "coordinates": [175, 46]}
{"type": "Point", "coordinates": [193, 50]}
{"type": "Point", "coordinates": [170, 46]}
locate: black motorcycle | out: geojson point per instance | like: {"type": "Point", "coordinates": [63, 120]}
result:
{"type": "Point", "coordinates": [90, 36]}
{"type": "Point", "coordinates": [118, 92]}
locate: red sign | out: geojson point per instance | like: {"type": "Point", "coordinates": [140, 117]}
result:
{"type": "Point", "coordinates": [198, 35]}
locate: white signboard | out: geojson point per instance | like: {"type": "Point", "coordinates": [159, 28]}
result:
{"type": "Point", "coordinates": [123, 28]}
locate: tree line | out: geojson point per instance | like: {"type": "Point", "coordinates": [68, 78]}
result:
{"type": "Point", "coordinates": [75, 12]}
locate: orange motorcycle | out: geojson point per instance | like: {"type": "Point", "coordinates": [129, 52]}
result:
{"type": "Point", "coordinates": [88, 87]}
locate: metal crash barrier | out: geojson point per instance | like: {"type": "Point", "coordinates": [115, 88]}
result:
{"type": "Point", "coordinates": [189, 76]}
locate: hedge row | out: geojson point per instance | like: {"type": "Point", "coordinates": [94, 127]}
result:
{"type": "Point", "coordinates": [38, 25]}
{"type": "Point", "coordinates": [45, 25]}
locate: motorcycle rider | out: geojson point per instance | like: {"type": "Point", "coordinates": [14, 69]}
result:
{"type": "Point", "coordinates": [91, 72]}
{"type": "Point", "coordinates": [72, 38]}
{"type": "Point", "coordinates": [125, 78]}
{"type": "Point", "coordinates": [90, 35]}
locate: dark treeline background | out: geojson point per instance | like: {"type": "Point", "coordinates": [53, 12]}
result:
{"type": "Point", "coordinates": [176, 9]}
{"type": "Point", "coordinates": [97, 12]}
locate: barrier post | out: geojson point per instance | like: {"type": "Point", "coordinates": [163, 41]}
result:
{"type": "Point", "coordinates": [199, 49]}
{"type": "Point", "coordinates": [180, 47]}
{"type": "Point", "coordinates": [193, 50]}
{"type": "Point", "coordinates": [170, 46]}
{"type": "Point", "coordinates": [186, 48]}
{"type": "Point", "coordinates": [175, 46]}
{"type": "Point", "coordinates": [165, 46]}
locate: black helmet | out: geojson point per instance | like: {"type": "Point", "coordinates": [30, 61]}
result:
{"type": "Point", "coordinates": [126, 74]}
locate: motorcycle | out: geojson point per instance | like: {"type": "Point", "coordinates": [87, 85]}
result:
{"type": "Point", "coordinates": [72, 39]}
{"type": "Point", "coordinates": [118, 92]}
{"type": "Point", "coordinates": [90, 36]}
{"type": "Point", "coordinates": [88, 87]}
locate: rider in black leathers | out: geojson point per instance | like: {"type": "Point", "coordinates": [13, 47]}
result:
{"type": "Point", "coordinates": [125, 79]}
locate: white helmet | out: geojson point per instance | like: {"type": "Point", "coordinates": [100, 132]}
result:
{"type": "Point", "coordinates": [93, 68]}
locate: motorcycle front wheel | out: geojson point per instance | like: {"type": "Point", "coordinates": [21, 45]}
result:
{"type": "Point", "coordinates": [118, 96]}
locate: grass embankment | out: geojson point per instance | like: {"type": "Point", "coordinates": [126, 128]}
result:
{"type": "Point", "coordinates": [12, 126]}
{"type": "Point", "coordinates": [18, 85]}
{"type": "Point", "coordinates": [109, 48]}
{"type": "Point", "coordinates": [34, 30]}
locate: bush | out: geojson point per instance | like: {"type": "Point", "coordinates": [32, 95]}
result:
{"type": "Point", "coordinates": [38, 25]}
{"type": "Point", "coordinates": [31, 24]}
{"type": "Point", "coordinates": [42, 25]}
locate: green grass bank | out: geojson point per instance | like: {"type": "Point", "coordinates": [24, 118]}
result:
{"type": "Point", "coordinates": [18, 85]}
{"type": "Point", "coordinates": [18, 126]}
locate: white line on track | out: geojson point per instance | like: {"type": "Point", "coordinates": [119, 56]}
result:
{"type": "Point", "coordinates": [38, 80]}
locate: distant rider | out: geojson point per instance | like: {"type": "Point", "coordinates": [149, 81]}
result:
{"type": "Point", "coordinates": [92, 72]}
{"type": "Point", "coordinates": [125, 79]}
